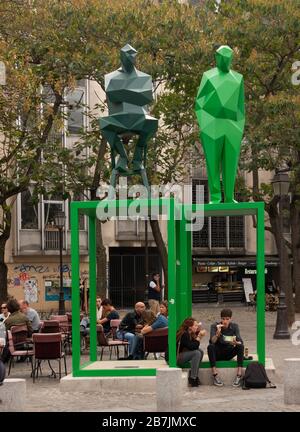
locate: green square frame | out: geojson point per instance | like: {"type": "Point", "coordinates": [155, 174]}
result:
{"type": "Point", "coordinates": [179, 274]}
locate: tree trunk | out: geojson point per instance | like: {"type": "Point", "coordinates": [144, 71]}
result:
{"type": "Point", "coordinates": [295, 238]}
{"type": "Point", "coordinates": [101, 280]}
{"type": "Point", "coordinates": [162, 250]}
{"type": "Point", "coordinates": [284, 262]}
{"type": "Point", "coordinates": [101, 262]}
{"type": "Point", "coordinates": [6, 216]}
{"type": "Point", "coordinates": [3, 276]}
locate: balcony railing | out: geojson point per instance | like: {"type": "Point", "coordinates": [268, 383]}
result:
{"type": "Point", "coordinates": [52, 239]}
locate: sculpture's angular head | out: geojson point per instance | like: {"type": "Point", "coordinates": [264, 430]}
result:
{"type": "Point", "coordinates": [128, 55]}
{"type": "Point", "coordinates": [224, 55]}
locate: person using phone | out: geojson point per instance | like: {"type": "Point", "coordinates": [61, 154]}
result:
{"type": "Point", "coordinates": [224, 344]}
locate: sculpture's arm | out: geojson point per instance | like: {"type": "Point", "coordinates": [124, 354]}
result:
{"type": "Point", "coordinates": [241, 102]}
{"type": "Point", "coordinates": [202, 91]}
{"type": "Point", "coordinates": [117, 92]}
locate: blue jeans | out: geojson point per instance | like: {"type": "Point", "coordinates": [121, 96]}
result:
{"type": "Point", "coordinates": [130, 337]}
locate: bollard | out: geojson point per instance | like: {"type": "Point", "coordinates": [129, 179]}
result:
{"type": "Point", "coordinates": [292, 381]}
{"type": "Point", "coordinates": [169, 389]}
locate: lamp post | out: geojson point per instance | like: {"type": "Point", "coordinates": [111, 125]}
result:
{"type": "Point", "coordinates": [280, 185]}
{"type": "Point", "coordinates": [59, 220]}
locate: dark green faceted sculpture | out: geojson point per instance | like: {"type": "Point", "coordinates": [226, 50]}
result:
{"type": "Point", "coordinates": [128, 93]}
{"type": "Point", "coordinates": [221, 115]}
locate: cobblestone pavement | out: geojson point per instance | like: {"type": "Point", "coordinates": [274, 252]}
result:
{"type": "Point", "coordinates": [45, 395]}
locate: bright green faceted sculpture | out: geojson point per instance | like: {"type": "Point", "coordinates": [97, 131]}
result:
{"type": "Point", "coordinates": [220, 112]}
{"type": "Point", "coordinates": [128, 93]}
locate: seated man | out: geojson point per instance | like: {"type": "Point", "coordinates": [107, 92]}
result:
{"type": "Point", "coordinates": [224, 344]}
{"type": "Point", "coordinates": [128, 327]}
{"type": "Point", "coordinates": [31, 314]}
{"type": "Point", "coordinates": [110, 313]}
{"type": "Point", "coordinates": [151, 323]}
{"type": "Point", "coordinates": [16, 317]}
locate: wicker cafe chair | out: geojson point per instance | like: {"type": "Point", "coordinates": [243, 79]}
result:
{"type": "Point", "coordinates": [111, 344]}
{"type": "Point", "coordinates": [18, 349]}
{"type": "Point", "coordinates": [47, 347]}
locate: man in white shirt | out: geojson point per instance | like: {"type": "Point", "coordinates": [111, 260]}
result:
{"type": "Point", "coordinates": [31, 314]}
{"type": "Point", "coordinates": [154, 293]}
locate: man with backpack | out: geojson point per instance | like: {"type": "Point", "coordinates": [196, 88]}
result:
{"type": "Point", "coordinates": [224, 344]}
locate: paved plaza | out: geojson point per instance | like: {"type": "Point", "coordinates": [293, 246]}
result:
{"type": "Point", "coordinates": [45, 394]}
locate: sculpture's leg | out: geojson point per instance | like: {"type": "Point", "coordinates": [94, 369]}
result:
{"type": "Point", "coordinates": [112, 185]}
{"type": "Point", "coordinates": [116, 145]}
{"type": "Point", "coordinates": [230, 160]}
{"type": "Point", "coordinates": [213, 152]}
{"type": "Point", "coordinates": [146, 128]}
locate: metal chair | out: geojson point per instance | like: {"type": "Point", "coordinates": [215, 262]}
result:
{"type": "Point", "coordinates": [18, 350]}
{"type": "Point", "coordinates": [111, 344]}
{"type": "Point", "coordinates": [50, 326]}
{"type": "Point", "coordinates": [156, 341]}
{"type": "Point", "coordinates": [47, 347]}
{"type": "Point", "coordinates": [114, 325]}
{"type": "Point", "coordinates": [65, 327]}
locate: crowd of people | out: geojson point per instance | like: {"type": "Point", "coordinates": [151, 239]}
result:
{"type": "Point", "coordinates": [225, 341]}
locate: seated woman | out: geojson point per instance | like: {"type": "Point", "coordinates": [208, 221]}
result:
{"type": "Point", "coordinates": [188, 341]}
{"type": "Point", "coordinates": [155, 322]}
{"type": "Point", "coordinates": [151, 322]}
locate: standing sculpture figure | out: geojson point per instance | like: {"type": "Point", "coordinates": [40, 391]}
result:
{"type": "Point", "coordinates": [128, 93]}
{"type": "Point", "coordinates": [221, 115]}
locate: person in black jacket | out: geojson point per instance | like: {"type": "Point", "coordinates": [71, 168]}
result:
{"type": "Point", "coordinates": [131, 322]}
{"type": "Point", "coordinates": [188, 341]}
{"type": "Point", "coordinates": [224, 344]}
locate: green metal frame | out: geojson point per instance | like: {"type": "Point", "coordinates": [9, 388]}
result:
{"type": "Point", "coordinates": [179, 275]}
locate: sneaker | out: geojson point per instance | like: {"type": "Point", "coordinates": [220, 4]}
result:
{"type": "Point", "coordinates": [217, 381]}
{"type": "Point", "coordinates": [237, 381]}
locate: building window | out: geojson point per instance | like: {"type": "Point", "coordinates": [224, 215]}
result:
{"type": "Point", "coordinates": [200, 238]}
{"type": "Point", "coordinates": [76, 100]}
{"type": "Point", "coordinates": [218, 232]}
{"type": "Point", "coordinates": [29, 211]}
{"type": "Point", "coordinates": [81, 218]}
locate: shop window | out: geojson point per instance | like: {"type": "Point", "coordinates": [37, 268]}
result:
{"type": "Point", "coordinates": [214, 231]}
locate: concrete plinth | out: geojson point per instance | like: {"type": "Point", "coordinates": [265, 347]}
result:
{"type": "Point", "coordinates": [103, 385]}
{"type": "Point", "coordinates": [12, 395]}
{"type": "Point", "coordinates": [169, 389]}
{"type": "Point", "coordinates": [291, 379]}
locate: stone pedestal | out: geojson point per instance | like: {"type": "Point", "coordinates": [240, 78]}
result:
{"type": "Point", "coordinates": [169, 389]}
{"type": "Point", "coordinates": [12, 395]}
{"type": "Point", "coordinates": [291, 380]}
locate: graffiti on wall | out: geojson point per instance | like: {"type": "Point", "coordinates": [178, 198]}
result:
{"type": "Point", "coordinates": [31, 290]}
{"type": "Point", "coordinates": [29, 278]}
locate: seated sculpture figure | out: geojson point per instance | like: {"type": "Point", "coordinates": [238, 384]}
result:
{"type": "Point", "coordinates": [128, 93]}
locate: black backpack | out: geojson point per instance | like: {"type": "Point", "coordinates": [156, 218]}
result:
{"type": "Point", "coordinates": [2, 372]}
{"type": "Point", "coordinates": [256, 377]}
